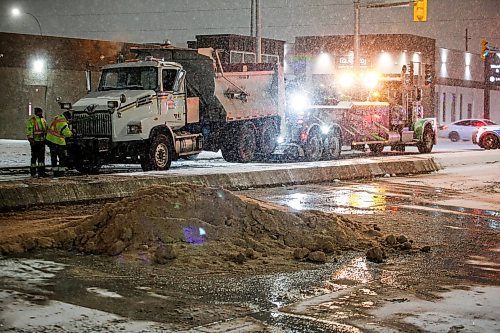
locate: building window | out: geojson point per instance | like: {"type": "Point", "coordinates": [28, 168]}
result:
{"type": "Point", "coordinates": [237, 57]}
{"type": "Point", "coordinates": [249, 58]}
{"type": "Point", "coordinates": [461, 105]}
{"type": "Point", "coordinates": [453, 107]}
{"type": "Point", "coordinates": [444, 107]}
{"type": "Point", "coordinates": [270, 58]}
{"type": "Point", "coordinates": [436, 104]}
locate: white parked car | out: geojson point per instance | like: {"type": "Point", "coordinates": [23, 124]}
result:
{"type": "Point", "coordinates": [487, 137]}
{"type": "Point", "coordinates": [462, 129]}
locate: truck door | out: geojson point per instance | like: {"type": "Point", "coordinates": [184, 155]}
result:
{"type": "Point", "coordinates": [172, 96]}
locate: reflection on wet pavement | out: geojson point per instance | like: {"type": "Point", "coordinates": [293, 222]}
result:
{"type": "Point", "coordinates": [305, 301]}
{"type": "Point", "coordinates": [369, 198]}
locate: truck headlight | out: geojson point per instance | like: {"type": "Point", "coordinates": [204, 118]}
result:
{"type": "Point", "coordinates": [299, 102]}
{"type": "Point", "coordinates": [112, 104]}
{"type": "Point", "coordinates": [134, 128]}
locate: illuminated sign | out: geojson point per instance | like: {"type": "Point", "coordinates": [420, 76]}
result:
{"type": "Point", "coordinates": [492, 69]}
{"type": "Point", "coordinates": [348, 61]}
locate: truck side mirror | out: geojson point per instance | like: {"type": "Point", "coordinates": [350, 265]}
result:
{"type": "Point", "coordinates": [178, 80]}
{"type": "Point", "coordinates": [88, 80]}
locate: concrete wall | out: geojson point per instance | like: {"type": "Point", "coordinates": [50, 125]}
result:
{"type": "Point", "coordinates": [20, 93]}
{"type": "Point", "coordinates": [62, 74]}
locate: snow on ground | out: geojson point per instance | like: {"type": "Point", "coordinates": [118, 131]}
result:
{"type": "Point", "coordinates": [16, 153]}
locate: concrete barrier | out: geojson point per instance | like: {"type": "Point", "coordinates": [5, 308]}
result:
{"type": "Point", "coordinates": [33, 192]}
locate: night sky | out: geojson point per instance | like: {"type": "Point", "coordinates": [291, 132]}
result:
{"type": "Point", "coordinates": [181, 20]}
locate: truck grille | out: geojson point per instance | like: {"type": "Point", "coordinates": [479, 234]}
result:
{"type": "Point", "coordinates": [96, 124]}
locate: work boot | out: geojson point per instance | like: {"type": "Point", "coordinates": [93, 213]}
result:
{"type": "Point", "coordinates": [41, 171]}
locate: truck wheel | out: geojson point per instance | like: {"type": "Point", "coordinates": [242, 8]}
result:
{"type": "Point", "coordinates": [313, 149]}
{"type": "Point", "coordinates": [425, 146]}
{"type": "Point", "coordinates": [158, 155]}
{"type": "Point", "coordinates": [454, 136]}
{"type": "Point", "coordinates": [332, 146]}
{"type": "Point", "coordinates": [87, 168]}
{"type": "Point", "coordinates": [246, 145]}
{"type": "Point", "coordinates": [268, 138]}
{"type": "Point", "coordinates": [376, 148]}
{"type": "Point", "coordinates": [490, 141]}
{"type": "Point", "coordinates": [241, 145]}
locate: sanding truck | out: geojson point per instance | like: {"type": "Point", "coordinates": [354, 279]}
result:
{"type": "Point", "coordinates": [170, 103]}
{"type": "Point", "coordinates": [317, 127]}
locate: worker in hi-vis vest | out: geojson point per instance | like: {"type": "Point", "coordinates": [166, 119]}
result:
{"type": "Point", "coordinates": [56, 139]}
{"type": "Point", "coordinates": [36, 129]}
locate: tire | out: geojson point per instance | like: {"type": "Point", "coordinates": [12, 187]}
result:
{"type": "Point", "coordinates": [313, 149]}
{"type": "Point", "coordinates": [268, 137]}
{"type": "Point", "coordinates": [490, 141]}
{"type": "Point", "coordinates": [376, 148]}
{"type": "Point", "coordinates": [88, 168]}
{"type": "Point", "coordinates": [158, 155]}
{"type": "Point", "coordinates": [425, 146]}
{"type": "Point", "coordinates": [242, 145]}
{"type": "Point", "coordinates": [84, 162]}
{"type": "Point", "coordinates": [454, 137]}
{"type": "Point", "coordinates": [400, 148]}
{"type": "Point", "coordinates": [332, 146]}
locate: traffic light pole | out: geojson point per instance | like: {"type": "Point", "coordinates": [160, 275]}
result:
{"type": "Point", "coordinates": [356, 36]}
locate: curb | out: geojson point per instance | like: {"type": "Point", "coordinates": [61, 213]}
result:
{"type": "Point", "coordinates": [24, 194]}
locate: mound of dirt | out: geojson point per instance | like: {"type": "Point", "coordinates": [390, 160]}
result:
{"type": "Point", "coordinates": [199, 226]}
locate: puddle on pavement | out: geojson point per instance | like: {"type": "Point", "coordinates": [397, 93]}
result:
{"type": "Point", "coordinates": [369, 198]}
{"type": "Point", "coordinates": [474, 310]}
{"type": "Point", "coordinates": [34, 273]}
{"type": "Point", "coordinates": [264, 294]}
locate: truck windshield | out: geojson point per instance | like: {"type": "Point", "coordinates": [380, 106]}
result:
{"type": "Point", "coordinates": [138, 78]}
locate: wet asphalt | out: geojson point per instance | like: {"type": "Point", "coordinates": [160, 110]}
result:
{"type": "Point", "coordinates": [355, 285]}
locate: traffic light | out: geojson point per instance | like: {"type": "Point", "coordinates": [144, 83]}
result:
{"type": "Point", "coordinates": [419, 10]}
{"type": "Point", "coordinates": [484, 48]}
{"type": "Point", "coordinates": [428, 74]}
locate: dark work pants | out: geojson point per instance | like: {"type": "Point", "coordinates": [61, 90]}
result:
{"type": "Point", "coordinates": [58, 158]}
{"type": "Point", "coordinates": [37, 158]}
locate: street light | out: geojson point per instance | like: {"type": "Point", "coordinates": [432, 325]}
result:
{"type": "Point", "coordinates": [17, 12]}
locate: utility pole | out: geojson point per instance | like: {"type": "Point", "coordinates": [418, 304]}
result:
{"type": "Point", "coordinates": [466, 39]}
{"type": "Point", "coordinates": [252, 18]}
{"type": "Point", "coordinates": [258, 31]}
{"type": "Point", "coordinates": [356, 36]}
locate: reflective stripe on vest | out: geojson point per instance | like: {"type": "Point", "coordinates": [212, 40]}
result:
{"type": "Point", "coordinates": [53, 128]}
{"type": "Point", "coordinates": [36, 129]}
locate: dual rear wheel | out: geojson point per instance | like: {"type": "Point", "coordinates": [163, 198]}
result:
{"type": "Point", "coordinates": [247, 142]}
{"type": "Point", "coordinates": [322, 147]}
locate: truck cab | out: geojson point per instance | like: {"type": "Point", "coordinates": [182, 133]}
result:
{"type": "Point", "coordinates": [132, 101]}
